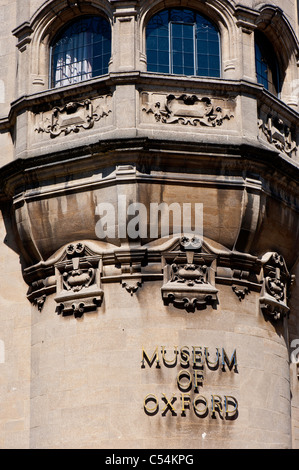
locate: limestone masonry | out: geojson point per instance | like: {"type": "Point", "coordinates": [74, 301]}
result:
{"type": "Point", "coordinates": [149, 236]}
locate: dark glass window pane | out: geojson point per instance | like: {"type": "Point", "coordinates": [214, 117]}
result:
{"type": "Point", "coordinates": [182, 48]}
{"type": "Point", "coordinates": [177, 70]}
{"type": "Point", "coordinates": [189, 39]}
{"type": "Point", "coordinates": [163, 44]}
{"type": "Point", "coordinates": [164, 68]}
{"type": "Point", "coordinates": [81, 50]}
{"type": "Point", "coordinates": [214, 62]}
{"type": "Point", "coordinates": [157, 28]}
{"type": "Point", "coordinates": [267, 70]}
{"type": "Point", "coordinates": [152, 42]}
{"type": "Point", "coordinates": [152, 57]}
{"type": "Point", "coordinates": [177, 45]}
{"type": "Point", "coordinates": [203, 61]}
{"type": "Point", "coordinates": [215, 73]}
{"type": "Point", "coordinates": [177, 30]}
{"type": "Point", "coordinates": [163, 58]}
{"type": "Point", "coordinates": [177, 60]}
{"type": "Point", "coordinates": [203, 72]}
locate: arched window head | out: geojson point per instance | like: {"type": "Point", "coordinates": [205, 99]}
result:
{"type": "Point", "coordinates": [80, 51]}
{"type": "Point", "coordinates": [267, 71]}
{"type": "Point", "coordinates": [181, 41]}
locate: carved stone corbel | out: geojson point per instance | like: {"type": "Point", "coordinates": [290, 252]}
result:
{"type": "Point", "coordinates": [130, 262]}
{"type": "Point", "coordinates": [78, 281]}
{"type": "Point", "coordinates": [274, 290]}
{"type": "Point", "coordinates": [189, 276]}
{"type": "Point", "coordinates": [39, 302]}
{"type": "Point", "coordinates": [240, 293]}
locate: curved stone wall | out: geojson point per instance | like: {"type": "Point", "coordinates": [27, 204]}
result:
{"type": "Point", "coordinates": [89, 387]}
{"type": "Point", "coordinates": [117, 333]}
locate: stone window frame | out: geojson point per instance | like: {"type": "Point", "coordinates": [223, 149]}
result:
{"type": "Point", "coordinates": [222, 18]}
{"type": "Point", "coordinates": [273, 24]}
{"type": "Point", "coordinates": [232, 20]}
{"type": "Point", "coordinates": [88, 56]}
{"type": "Point", "coordinates": [35, 37]}
{"type": "Point", "coordinates": [194, 21]}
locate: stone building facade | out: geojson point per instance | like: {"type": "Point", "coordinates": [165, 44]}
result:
{"type": "Point", "coordinates": [118, 329]}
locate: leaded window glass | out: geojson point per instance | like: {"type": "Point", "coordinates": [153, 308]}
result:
{"type": "Point", "coordinates": [81, 51]}
{"type": "Point", "coordinates": [181, 41]}
{"type": "Point", "coordinates": [267, 71]}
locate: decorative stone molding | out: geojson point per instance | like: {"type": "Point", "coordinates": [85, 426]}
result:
{"type": "Point", "coordinates": [240, 293]}
{"type": "Point", "coordinates": [23, 34]}
{"type": "Point", "coordinates": [130, 262]}
{"type": "Point", "coordinates": [274, 290]}
{"type": "Point", "coordinates": [73, 116]}
{"type": "Point", "coordinates": [185, 109]}
{"type": "Point", "coordinates": [39, 302]}
{"type": "Point", "coordinates": [78, 281]}
{"type": "Point", "coordinates": [189, 268]}
{"type": "Point", "coordinates": [278, 134]}
{"type": "Point", "coordinates": [42, 282]}
{"type": "Point", "coordinates": [189, 280]}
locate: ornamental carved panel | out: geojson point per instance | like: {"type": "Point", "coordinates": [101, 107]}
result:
{"type": "Point", "coordinates": [189, 276]}
{"type": "Point", "coordinates": [279, 134]}
{"type": "Point", "coordinates": [78, 281]}
{"type": "Point", "coordinates": [186, 109]}
{"type": "Point", "coordinates": [276, 281]}
{"type": "Point", "coordinates": [73, 116]}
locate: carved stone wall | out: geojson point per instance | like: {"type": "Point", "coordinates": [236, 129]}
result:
{"type": "Point", "coordinates": [151, 340]}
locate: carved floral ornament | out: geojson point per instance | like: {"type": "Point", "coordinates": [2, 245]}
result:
{"type": "Point", "coordinates": [188, 270]}
{"type": "Point", "coordinates": [73, 116]}
{"type": "Point", "coordinates": [186, 109]}
{"type": "Point", "coordinates": [278, 134]}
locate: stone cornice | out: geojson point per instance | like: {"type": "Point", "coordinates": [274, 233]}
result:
{"type": "Point", "coordinates": [145, 154]}
{"type": "Point", "coordinates": [102, 84]}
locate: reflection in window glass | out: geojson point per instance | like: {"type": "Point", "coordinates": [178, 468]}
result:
{"type": "Point", "coordinates": [81, 51]}
{"type": "Point", "coordinates": [181, 41]}
{"type": "Point", "coordinates": [267, 71]}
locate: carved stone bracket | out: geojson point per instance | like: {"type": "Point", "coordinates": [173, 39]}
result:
{"type": "Point", "coordinates": [42, 282]}
{"type": "Point", "coordinates": [240, 293]}
{"type": "Point", "coordinates": [78, 281]}
{"type": "Point", "coordinates": [130, 262]}
{"type": "Point", "coordinates": [278, 134]}
{"type": "Point", "coordinates": [39, 302]}
{"type": "Point", "coordinates": [188, 266]}
{"type": "Point", "coordinates": [274, 291]}
{"type": "Point", "coordinates": [185, 109]}
{"type": "Point", "coordinates": [189, 277]}
{"type": "Point", "coordinates": [73, 116]}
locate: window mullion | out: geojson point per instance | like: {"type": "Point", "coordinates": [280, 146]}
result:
{"type": "Point", "coordinates": [170, 47]}
{"type": "Point", "coordinates": [195, 49]}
